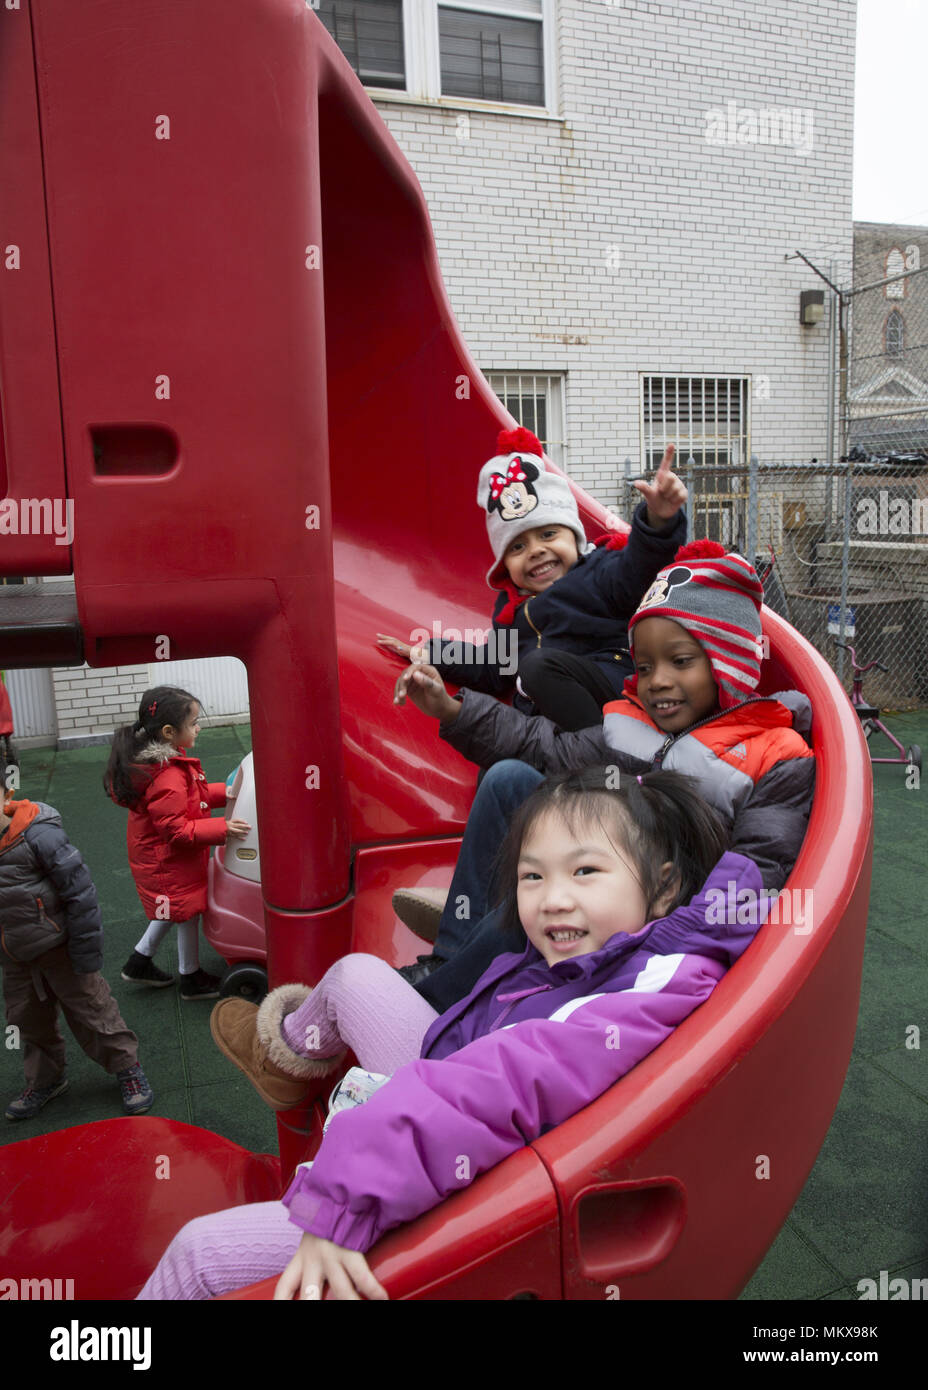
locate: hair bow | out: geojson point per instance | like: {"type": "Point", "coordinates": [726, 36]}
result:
{"type": "Point", "coordinates": [516, 474]}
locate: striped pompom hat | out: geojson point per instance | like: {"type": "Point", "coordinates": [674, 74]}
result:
{"type": "Point", "coordinates": [716, 595]}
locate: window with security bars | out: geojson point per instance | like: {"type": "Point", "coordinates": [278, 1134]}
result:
{"type": "Point", "coordinates": [537, 402]}
{"type": "Point", "coordinates": [490, 51]}
{"type": "Point", "coordinates": [491, 57]}
{"type": "Point", "coordinates": [370, 34]}
{"type": "Point", "coordinates": [707, 418]}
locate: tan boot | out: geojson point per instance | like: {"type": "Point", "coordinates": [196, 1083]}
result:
{"type": "Point", "coordinates": [250, 1036]}
{"type": "Point", "coordinates": [420, 909]}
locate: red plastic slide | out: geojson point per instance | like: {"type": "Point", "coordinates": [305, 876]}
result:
{"type": "Point", "coordinates": [225, 345]}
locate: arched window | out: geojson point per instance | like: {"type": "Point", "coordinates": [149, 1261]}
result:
{"type": "Point", "coordinates": [894, 333]}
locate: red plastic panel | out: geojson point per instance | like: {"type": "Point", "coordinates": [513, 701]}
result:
{"type": "Point", "coordinates": [133, 1183]}
{"type": "Point", "coordinates": [498, 1240]}
{"type": "Point", "coordinates": [34, 539]}
{"type": "Point", "coordinates": [378, 873]}
{"type": "Point", "coordinates": [183, 195]}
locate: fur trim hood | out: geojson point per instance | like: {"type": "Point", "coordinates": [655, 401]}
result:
{"type": "Point", "coordinates": [156, 752]}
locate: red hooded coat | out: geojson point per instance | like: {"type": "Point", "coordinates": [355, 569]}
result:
{"type": "Point", "coordinates": [170, 832]}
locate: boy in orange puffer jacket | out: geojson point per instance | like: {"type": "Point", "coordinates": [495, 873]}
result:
{"type": "Point", "coordinates": [51, 950]}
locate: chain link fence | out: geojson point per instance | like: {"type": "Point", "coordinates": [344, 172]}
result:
{"type": "Point", "coordinates": [886, 327]}
{"type": "Point", "coordinates": [842, 550]}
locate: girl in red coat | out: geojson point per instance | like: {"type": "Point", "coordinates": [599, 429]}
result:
{"type": "Point", "coordinates": [170, 831]}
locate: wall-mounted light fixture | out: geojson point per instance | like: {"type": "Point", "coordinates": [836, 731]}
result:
{"type": "Point", "coordinates": [811, 307]}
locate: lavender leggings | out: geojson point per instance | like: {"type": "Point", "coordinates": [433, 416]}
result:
{"type": "Point", "coordinates": [359, 1003]}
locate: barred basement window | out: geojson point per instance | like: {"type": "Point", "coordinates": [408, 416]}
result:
{"type": "Point", "coordinates": [490, 56]}
{"type": "Point", "coordinates": [370, 34]}
{"type": "Point", "coordinates": [537, 402]}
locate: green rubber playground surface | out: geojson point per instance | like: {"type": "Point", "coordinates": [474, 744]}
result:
{"type": "Point", "coordinates": [865, 1206]}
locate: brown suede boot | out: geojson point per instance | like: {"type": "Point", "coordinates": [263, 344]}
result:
{"type": "Point", "coordinates": [420, 909]}
{"type": "Point", "coordinates": [250, 1036]}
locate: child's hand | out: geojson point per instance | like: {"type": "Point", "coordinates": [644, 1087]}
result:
{"type": "Point", "coordinates": [426, 689]}
{"type": "Point", "coordinates": [403, 649]}
{"type": "Point", "coordinates": [318, 1262]}
{"type": "Point", "coordinates": [237, 829]}
{"type": "Point", "coordinates": [666, 495]}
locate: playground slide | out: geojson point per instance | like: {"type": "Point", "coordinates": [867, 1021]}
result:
{"type": "Point", "coordinates": [228, 348]}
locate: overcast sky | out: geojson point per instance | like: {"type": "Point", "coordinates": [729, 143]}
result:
{"type": "Point", "coordinates": [891, 112]}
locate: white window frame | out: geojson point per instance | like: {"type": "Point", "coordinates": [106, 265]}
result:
{"type": "Point", "coordinates": [551, 386]}
{"type": "Point", "coordinates": [423, 58]}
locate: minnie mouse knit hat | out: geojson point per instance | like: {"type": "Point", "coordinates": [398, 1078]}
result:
{"type": "Point", "coordinates": [716, 595]}
{"type": "Point", "coordinates": [518, 494]}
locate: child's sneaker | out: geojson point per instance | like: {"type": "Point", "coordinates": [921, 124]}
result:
{"type": "Point", "coordinates": [32, 1100]}
{"type": "Point", "coordinates": [141, 970]}
{"type": "Point", "coordinates": [137, 1095]}
{"type": "Point", "coordinates": [199, 985]}
{"type": "Point", "coordinates": [355, 1087]}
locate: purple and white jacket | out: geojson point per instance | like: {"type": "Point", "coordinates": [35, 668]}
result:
{"type": "Point", "coordinates": [530, 1046]}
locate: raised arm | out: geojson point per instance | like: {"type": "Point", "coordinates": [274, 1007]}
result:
{"type": "Point", "coordinates": [486, 732]}
{"type": "Point", "coordinates": [632, 570]}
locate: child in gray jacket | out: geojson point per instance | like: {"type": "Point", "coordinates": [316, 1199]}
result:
{"type": "Point", "coordinates": [51, 951]}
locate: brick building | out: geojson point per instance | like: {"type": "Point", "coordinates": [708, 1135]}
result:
{"type": "Point", "coordinates": [888, 387]}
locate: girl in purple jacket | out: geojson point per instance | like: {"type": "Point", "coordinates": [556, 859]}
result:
{"type": "Point", "coordinates": [606, 962]}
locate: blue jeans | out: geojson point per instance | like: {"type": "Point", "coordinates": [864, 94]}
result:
{"type": "Point", "coordinates": [469, 937]}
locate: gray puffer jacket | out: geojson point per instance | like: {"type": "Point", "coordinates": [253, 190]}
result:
{"type": "Point", "coordinates": [47, 897]}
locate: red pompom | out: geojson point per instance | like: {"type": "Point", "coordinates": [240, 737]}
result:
{"type": "Point", "coordinates": [700, 550]}
{"type": "Point", "coordinates": [612, 540]}
{"type": "Point", "coordinates": [518, 441]}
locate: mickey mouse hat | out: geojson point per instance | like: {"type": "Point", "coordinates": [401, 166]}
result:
{"type": "Point", "coordinates": [716, 595]}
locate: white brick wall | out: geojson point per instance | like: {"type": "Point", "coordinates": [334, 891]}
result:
{"type": "Point", "coordinates": [91, 702]}
{"type": "Point", "coordinates": [524, 212]}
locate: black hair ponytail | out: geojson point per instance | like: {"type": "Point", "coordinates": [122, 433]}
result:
{"type": "Point", "coordinates": [125, 778]}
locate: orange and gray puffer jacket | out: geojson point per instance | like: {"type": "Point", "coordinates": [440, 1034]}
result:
{"type": "Point", "coordinates": [752, 762]}
{"type": "Point", "coordinates": [47, 896]}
